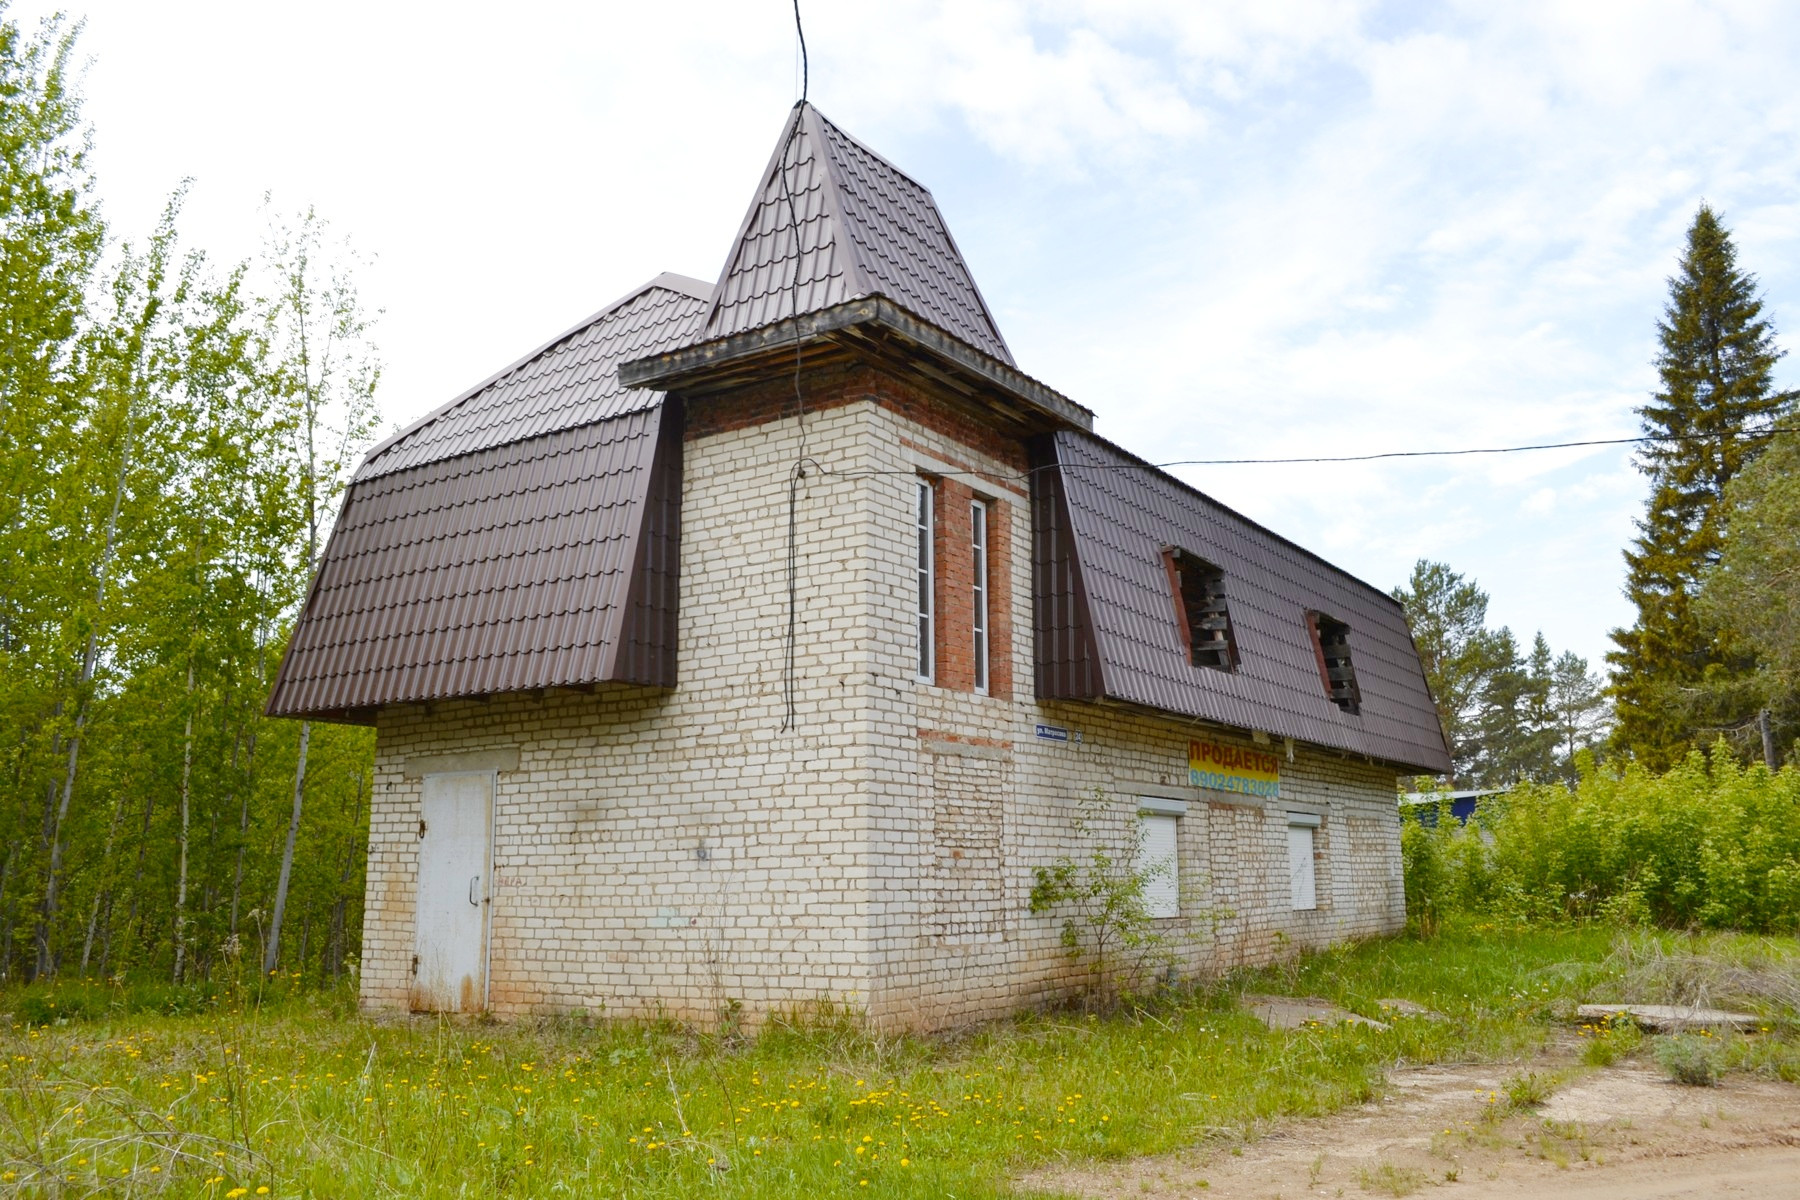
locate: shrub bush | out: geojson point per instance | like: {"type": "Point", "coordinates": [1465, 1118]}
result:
{"type": "Point", "coordinates": [1689, 1060]}
{"type": "Point", "coordinates": [1710, 843]}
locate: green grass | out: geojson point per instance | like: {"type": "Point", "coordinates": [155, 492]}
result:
{"type": "Point", "coordinates": [302, 1098]}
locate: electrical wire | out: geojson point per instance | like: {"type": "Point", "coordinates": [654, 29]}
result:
{"type": "Point", "coordinates": [1022, 476]}
{"type": "Point", "coordinates": [1344, 458]}
{"type": "Point", "coordinates": [796, 473]}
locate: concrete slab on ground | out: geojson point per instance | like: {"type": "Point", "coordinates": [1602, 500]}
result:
{"type": "Point", "coordinates": [1669, 1018]}
{"type": "Point", "coordinates": [1297, 1012]}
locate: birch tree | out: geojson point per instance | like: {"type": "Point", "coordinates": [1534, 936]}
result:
{"type": "Point", "coordinates": [326, 372]}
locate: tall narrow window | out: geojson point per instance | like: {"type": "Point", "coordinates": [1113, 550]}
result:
{"type": "Point", "coordinates": [927, 582]}
{"type": "Point", "coordinates": [1158, 864]}
{"type": "Point", "coordinates": [1303, 886]}
{"type": "Point", "coordinates": [1201, 614]}
{"type": "Point", "coordinates": [978, 545]}
{"type": "Point", "coordinates": [1331, 640]}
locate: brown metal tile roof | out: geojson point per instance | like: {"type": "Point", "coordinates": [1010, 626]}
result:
{"type": "Point", "coordinates": [522, 536]}
{"type": "Point", "coordinates": [1106, 626]}
{"type": "Point", "coordinates": [571, 380]}
{"type": "Point", "coordinates": [499, 571]}
{"type": "Point", "coordinates": [866, 229]}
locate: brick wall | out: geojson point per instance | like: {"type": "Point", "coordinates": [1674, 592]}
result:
{"type": "Point", "coordinates": [676, 852]}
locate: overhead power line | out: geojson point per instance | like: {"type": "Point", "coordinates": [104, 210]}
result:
{"type": "Point", "coordinates": [1344, 458]}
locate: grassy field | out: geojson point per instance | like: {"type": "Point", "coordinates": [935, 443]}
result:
{"type": "Point", "coordinates": [300, 1097]}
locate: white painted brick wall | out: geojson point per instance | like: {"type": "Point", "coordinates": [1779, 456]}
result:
{"type": "Point", "coordinates": [674, 853]}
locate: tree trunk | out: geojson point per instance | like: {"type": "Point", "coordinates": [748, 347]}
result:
{"type": "Point", "coordinates": [237, 875]}
{"type": "Point", "coordinates": [1768, 740]}
{"type": "Point", "coordinates": [187, 774]}
{"type": "Point", "coordinates": [53, 873]}
{"type": "Point", "coordinates": [103, 892]}
{"type": "Point", "coordinates": [137, 880]}
{"type": "Point", "coordinates": [272, 954]}
{"type": "Point", "coordinates": [6, 947]}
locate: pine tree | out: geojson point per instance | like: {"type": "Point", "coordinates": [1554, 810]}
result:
{"type": "Point", "coordinates": [1672, 674]}
{"type": "Point", "coordinates": [1448, 618]}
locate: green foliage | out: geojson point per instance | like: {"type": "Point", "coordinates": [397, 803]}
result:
{"type": "Point", "coordinates": [1528, 1089]}
{"type": "Point", "coordinates": [1506, 715]}
{"type": "Point", "coordinates": [1693, 1060]}
{"type": "Point", "coordinates": [441, 1108]}
{"type": "Point", "coordinates": [1754, 589]}
{"type": "Point", "coordinates": [162, 479]}
{"type": "Point", "coordinates": [1613, 1039]}
{"type": "Point", "coordinates": [1709, 843]}
{"type": "Point", "coordinates": [1676, 674]}
{"type": "Point", "coordinates": [1106, 923]}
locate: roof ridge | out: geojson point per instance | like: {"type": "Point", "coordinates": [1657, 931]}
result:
{"type": "Point", "coordinates": [669, 281]}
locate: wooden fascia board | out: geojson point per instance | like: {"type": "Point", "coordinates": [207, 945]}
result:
{"type": "Point", "coordinates": [678, 369]}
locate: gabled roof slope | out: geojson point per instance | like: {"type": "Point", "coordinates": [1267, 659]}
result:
{"type": "Point", "coordinates": [571, 380]}
{"type": "Point", "coordinates": [865, 229]}
{"type": "Point", "coordinates": [1107, 630]}
{"type": "Point", "coordinates": [519, 537]}
{"type": "Point", "coordinates": [499, 571]}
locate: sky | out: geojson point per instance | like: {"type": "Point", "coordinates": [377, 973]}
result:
{"type": "Point", "coordinates": [1232, 230]}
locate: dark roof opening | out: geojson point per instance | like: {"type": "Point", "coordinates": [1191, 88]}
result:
{"type": "Point", "coordinates": [1201, 612]}
{"type": "Point", "coordinates": [1331, 639]}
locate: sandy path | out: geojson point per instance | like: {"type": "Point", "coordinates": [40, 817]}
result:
{"type": "Point", "coordinates": [1621, 1133]}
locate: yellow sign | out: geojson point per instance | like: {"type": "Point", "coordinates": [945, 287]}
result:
{"type": "Point", "coordinates": [1234, 769]}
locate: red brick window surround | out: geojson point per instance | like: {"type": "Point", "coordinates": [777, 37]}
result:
{"type": "Point", "coordinates": [1331, 643]}
{"type": "Point", "coordinates": [1202, 614]}
{"type": "Point", "coordinates": [972, 612]}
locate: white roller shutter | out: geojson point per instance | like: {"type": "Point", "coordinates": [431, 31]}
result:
{"type": "Point", "coordinates": [1158, 863]}
{"type": "Point", "coordinates": [1300, 866]}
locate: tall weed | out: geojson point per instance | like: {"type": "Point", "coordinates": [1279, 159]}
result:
{"type": "Point", "coordinates": [1710, 843]}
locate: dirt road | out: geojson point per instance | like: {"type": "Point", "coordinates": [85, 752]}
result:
{"type": "Point", "coordinates": [1618, 1133]}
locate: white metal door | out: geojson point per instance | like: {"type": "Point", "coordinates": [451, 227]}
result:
{"type": "Point", "coordinates": [450, 971]}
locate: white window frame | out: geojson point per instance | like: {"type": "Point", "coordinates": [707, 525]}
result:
{"type": "Point", "coordinates": [925, 521]}
{"type": "Point", "coordinates": [1162, 888]}
{"type": "Point", "coordinates": [978, 628]}
{"type": "Point", "coordinates": [1303, 848]}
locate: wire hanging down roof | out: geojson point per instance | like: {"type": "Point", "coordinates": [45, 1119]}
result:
{"type": "Point", "coordinates": [865, 229]}
{"type": "Point", "coordinates": [524, 535]}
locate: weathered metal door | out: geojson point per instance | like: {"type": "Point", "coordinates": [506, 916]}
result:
{"type": "Point", "coordinates": [450, 972]}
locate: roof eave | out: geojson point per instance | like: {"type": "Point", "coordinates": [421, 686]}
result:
{"type": "Point", "coordinates": [1400, 765]}
{"type": "Point", "coordinates": [694, 365]}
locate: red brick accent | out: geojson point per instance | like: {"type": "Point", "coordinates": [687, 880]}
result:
{"type": "Point", "coordinates": [831, 387]}
{"type": "Point", "coordinates": [834, 386]}
{"type": "Point", "coordinates": [954, 629]}
{"type": "Point", "coordinates": [1000, 609]}
{"type": "Point", "coordinates": [773, 400]}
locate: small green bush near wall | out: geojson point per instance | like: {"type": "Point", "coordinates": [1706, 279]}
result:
{"type": "Point", "coordinates": [1708, 844]}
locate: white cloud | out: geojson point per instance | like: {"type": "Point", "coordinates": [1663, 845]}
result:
{"type": "Point", "coordinates": [1233, 229]}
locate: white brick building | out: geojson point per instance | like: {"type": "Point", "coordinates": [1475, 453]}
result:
{"type": "Point", "coordinates": [726, 658]}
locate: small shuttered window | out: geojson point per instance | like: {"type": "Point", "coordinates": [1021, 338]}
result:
{"type": "Point", "coordinates": [1331, 641]}
{"type": "Point", "coordinates": [1202, 615]}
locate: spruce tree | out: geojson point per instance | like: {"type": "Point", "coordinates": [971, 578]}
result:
{"type": "Point", "coordinates": [1673, 675]}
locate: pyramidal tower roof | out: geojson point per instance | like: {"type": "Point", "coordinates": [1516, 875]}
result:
{"type": "Point", "coordinates": [865, 228]}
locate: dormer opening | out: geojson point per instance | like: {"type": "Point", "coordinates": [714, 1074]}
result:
{"type": "Point", "coordinates": [1331, 640]}
{"type": "Point", "coordinates": [1201, 612]}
